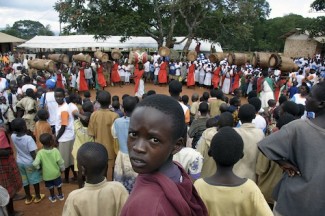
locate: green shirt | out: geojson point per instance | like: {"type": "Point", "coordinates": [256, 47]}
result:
{"type": "Point", "coordinates": [51, 162]}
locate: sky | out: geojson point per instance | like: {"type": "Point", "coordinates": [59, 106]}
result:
{"type": "Point", "coordinates": [42, 11]}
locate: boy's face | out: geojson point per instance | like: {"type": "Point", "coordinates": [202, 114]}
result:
{"type": "Point", "coordinates": [312, 103]}
{"type": "Point", "coordinates": [150, 142]}
{"type": "Point", "coordinates": [59, 97]}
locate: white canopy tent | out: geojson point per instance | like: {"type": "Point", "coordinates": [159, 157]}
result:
{"type": "Point", "coordinates": [88, 41]}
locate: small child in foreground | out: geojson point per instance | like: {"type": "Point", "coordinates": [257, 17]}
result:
{"type": "Point", "coordinates": [41, 126]}
{"type": "Point", "coordinates": [224, 193]}
{"type": "Point", "coordinates": [52, 164]}
{"type": "Point", "coordinates": [157, 132]}
{"type": "Point", "coordinates": [98, 196]}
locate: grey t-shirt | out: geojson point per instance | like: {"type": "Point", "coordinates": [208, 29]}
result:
{"type": "Point", "coordinates": [303, 144]}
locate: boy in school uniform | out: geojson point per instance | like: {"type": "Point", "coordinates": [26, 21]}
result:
{"type": "Point", "coordinates": [156, 132]}
{"type": "Point", "coordinates": [225, 193]}
{"type": "Point", "coordinates": [98, 196]}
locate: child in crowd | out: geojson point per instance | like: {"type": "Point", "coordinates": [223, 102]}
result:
{"type": "Point", "coordinates": [159, 120]}
{"type": "Point", "coordinates": [116, 108]}
{"type": "Point", "coordinates": [81, 137]}
{"type": "Point", "coordinates": [4, 108]}
{"type": "Point", "coordinates": [199, 125]}
{"type": "Point", "coordinates": [195, 106]}
{"type": "Point", "coordinates": [87, 97]}
{"type": "Point", "coordinates": [41, 126]}
{"type": "Point", "coordinates": [123, 171]}
{"type": "Point", "coordinates": [99, 196]}
{"type": "Point", "coordinates": [26, 153]}
{"type": "Point", "coordinates": [185, 100]}
{"type": "Point", "coordinates": [52, 164]}
{"type": "Point", "coordinates": [293, 89]}
{"type": "Point", "coordinates": [224, 193]}
{"type": "Point", "coordinates": [28, 108]}
{"type": "Point", "coordinates": [99, 127]}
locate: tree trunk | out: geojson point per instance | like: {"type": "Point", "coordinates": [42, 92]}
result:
{"type": "Point", "coordinates": [187, 45]}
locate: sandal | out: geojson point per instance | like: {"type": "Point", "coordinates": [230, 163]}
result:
{"type": "Point", "coordinates": [40, 199]}
{"type": "Point", "coordinates": [27, 202]}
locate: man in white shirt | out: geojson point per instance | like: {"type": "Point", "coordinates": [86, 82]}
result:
{"type": "Point", "coordinates": [146, 70]}
{"type": "Point", "coordinates": [89, 76]}
{"type": "Point", "coordinates": [28, 85]}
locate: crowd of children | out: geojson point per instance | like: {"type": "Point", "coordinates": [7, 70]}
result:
{"type": "Point", "coordinates": [153, 147]}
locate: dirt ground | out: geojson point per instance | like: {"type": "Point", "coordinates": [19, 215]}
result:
{"type": "Point", "coordinates": [45, 207]}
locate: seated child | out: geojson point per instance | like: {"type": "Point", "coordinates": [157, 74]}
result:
{"type": "Point", "coordinates": [156, 133]}
{"type": "Point", "coordinates": [98, 196]}
{"type": "Point", "coordinates": [41, 126]}
{"type": "Point", "coordinates": [26, 153]}
{"type": "Point", "coordinates": [52, 164]}
{"type": "Point", "coordinates": [224, 193]}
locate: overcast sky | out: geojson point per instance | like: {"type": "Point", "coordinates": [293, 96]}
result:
{"type": "Point", "coordinates": [42, 11]}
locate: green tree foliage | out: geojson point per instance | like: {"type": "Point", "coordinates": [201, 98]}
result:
{"type": "Point", "coordinates": [318, 5]}
{"type": "Point", "coordinates": [231, 20]}
{"type": "Point", "coordinates": [27, 29]}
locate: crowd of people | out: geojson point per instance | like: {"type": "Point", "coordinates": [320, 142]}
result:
{"type": "Point", "coordinates": [222, 153]}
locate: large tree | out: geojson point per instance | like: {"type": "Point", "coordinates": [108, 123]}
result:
{"type": "Point", "coordinates": [28, 29]}
{"type": "Point", "coordinates": [318, 5]}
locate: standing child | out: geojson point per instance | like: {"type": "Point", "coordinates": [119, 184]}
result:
{"type": "Point", "coordinates": [224, 193]}
{"type": "Point", "coordinates": [41, 126]}
{"type": "Point", "coordinates": [156, 133]}
{"type": "Point", "coordinates": [26, 153]}
{"type": "Point", "coordinates": [52, 165]}
{"type": "Point", "coordinates": [99, 196]}
{"type": "Point", "coordinates": [28, 106]}
{"type": "Point", "coordinates": [81, 137]}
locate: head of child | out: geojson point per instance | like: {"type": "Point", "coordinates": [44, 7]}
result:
{"type": "Point", "coordinates": [185, 99]}
{"type": "Point", "coordinates": [129, 104]}
{"type": "Point", "coordinates": [246, 113]}
{"type": "Point", "coordinates": [18, 125]}
{"type": "Point", "coordinates": [3, 100]}
{"type": "Point", "coordinates": [225, 119]}
{"type": "Point", "coordinates": [315, 101]}
{"type": "Point", "coordinates": [212, 122]}
{"type": "Point", "coordinates": [30, 93]}
{"type": "Point", "coordinates": [104, 99]}
{"type": "Point", "coordinates": [151, 92]}
{"type": "Point", "coordinates": [289, 107]}
{"type": "Point", "coordinates": [226, 148]}
{"type": "Point", "coordinates": [175, 89]}
{"type": "Point", "coordinates": [116, 104]}
{"type": "Point", "coordinates": [59, 95]}
{"type": "Point", "coordinates": [88, 107]}
{"type": "Point", "coordinates": [47, 140]}
{"type": "Point", "coordinates": [256, 102]}
{"type": "Point", "coordinates": [223, 107]}
{"type": "Point", "coordinates": [205, 96]}
{"type": "Point", "coordinates": [43, 115]}
{"type": "Point", "coordinates": [271, 103]}
{"type": "Point", "coordinates": [92, 160]}
{"type": "Point", "coordinates": [203, 108]}
{"type": "Point", "coordinates": [238, 92]}
{"type": "Point", "coordinates": [87, 94]}
{"type": "Point", "coordinates": [156, 133]}
{"type": "Point", "coordinates": [85, 121]}
{"type": "Point", "coordinates": [195, 97]}
{"type": "Point", "coordinates": [235, 101]}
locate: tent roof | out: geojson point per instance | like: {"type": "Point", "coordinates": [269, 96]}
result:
{"type": "Point", "coordinates": [84, 41]}
{"type": "Point", "coordinates": [5, 38]}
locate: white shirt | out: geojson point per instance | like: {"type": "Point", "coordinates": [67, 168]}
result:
{"type": "Point", "coordinates": [28, 86]}
{"type": "Point", "coordinates": [88, 73]}
{"type": "Point", "coordinates": [259, 122]}
{"type": "Point", "coordinates": [157, 68]}
{"type": "Point", "coordinates": [68, 134]}
{"type": "Point", "coordinates": [52, 107]}
{"type": "Point", "coordinates": [146, 66]}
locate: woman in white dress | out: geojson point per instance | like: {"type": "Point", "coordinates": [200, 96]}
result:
{"type": "Point", "coordinates": [227, 80]}
{"type": "Point", "coordinates": [197, 72]}
{"type": "Point", "coordinates": [201, 74]}
{"type": "Point", "coordinates": [208, 76]}
{"type": "Point", "coordinates": [267, 92]}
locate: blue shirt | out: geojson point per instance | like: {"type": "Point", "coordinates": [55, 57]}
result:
{"type": "Point", "coordinates": [121, 126]}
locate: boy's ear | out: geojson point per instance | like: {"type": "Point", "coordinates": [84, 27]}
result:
{"type": "Point", "coordinates": [178, 145]}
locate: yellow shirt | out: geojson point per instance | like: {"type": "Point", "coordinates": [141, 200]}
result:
{"type": "Point", "coordinates": [242, 200]}
{"type": "Point", "coordinates": [104, 198]}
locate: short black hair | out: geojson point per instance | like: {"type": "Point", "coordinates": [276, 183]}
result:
{"type": "Point", "coordinates": [195, 97]}
{"type": "Point", "coordinates": [88, 107]}
{"type": "Point", "coordinates": [104, 98]}
{"type": "Point", "coordinates": [219, 94]}
{"type": "Point", "coordinates": [204, 107]}
{"type": "Point", "coordinates": [87, 94]}
{"type": "Point", "coordinates": [73, 98]}
{"type": "Point", "coordinates": [129, 104]}
{"type": "Point", "coordinates": [205, 96]}
{"type": "Point", "coordinates": [282, 99]}
{"type": "Point", "coordinates": [185, 99]}
{"type": "Point", "coordinates": [252, 94]}
{"type": "Point", "coordinates": [18, 125]}
{"type": "Point", "coordinates": [115, 98]}
{"type": "Point", "coordinates": [116, 104]}
{"type": "Point", "coordinates": [213, 93]}
{"type": "Point", "coordinates": [151, 92]}
{"type": "Point", "coordinates": [225, 119]}
{"type": "Point", "coordinates": [226, 147]}
{"type": "Point", "coordinates": [170, 107]}
{"type": "Point", "coordinates": [271, 102]}
{"type": "Point", "coordinates": [124, 96]}
{"type": "Point", "coordinates": [246, 113]}
{"type": "Point", "coordinates": [93, 157]}
{"type": "Point", "coordinates": [211, 122]}
{"type": "Point", "coordinates": [235, 101]}
{"type": "Point", "coordinates": [302, 109]}
{"type": "Point", "coordinates": [223, 107]}
{"type": "Point", "coordinates": [85, 121]}
{"type": "Point", "coordinates": [256, 102]}
{"type": "Point", "coordinates": [30, 93]}
{"type": "Point", "coordinates": [26, 79]}
{"type": "Point", "coordinates": [46, 139]}
{"type": "Point", "coordinates": [290, 107]}
{"type": "Point", "coordinates": [175, 88]}
{"type": "Point", "coordinates": [319, 93]}
{"type": "Point", "coordinates": [284, 119]}
{"type": "Point", "coordinates": [43, 114]}
{"type": "Point", "coordinates": [59, 90]}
